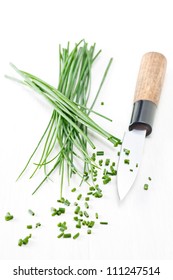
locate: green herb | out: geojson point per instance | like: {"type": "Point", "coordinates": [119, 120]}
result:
{"type": "Point", "coordinates": [8, 216]}
{"type": "Point", "coordinates": [76, 235]}
{"type": "Point", "coordinates": [20, 242]}
{"type": "Point", "coordinates": [86, 214]}
{"type": "Point", "coordinates": [100, 153]}
{"type": "Point", "coordinates": [73, 190]}
{"type": "Point", "coordinates": [60, 235]}
{"type": "Point", "coordinates": [104, 223]}
{"type": "Point", "coordinates": [127, 161]}
{"type": "Point", "coordinates": [77, 210]}
{"type": "Point", "coordinates": [38, 225]}
{"type": "Point", "coordinates": [107, 162]}
{"type": "Point", "coordinates": [89, 231]}
{"type": "Point", "coordinates": [100, 162]}
{"type": "Point", "coordinates": [97, 216]}
{"type": "Point", "coordinates": [131, 170]}
{"type": "Point", "coordinates": [70, 120]}
{"type": "Point", "coordinates": [149, 178]}
{"type": "Point", "coordinates": [118, 154]}
{"type": "Point", "coordinates": [126, 151]}
{"type": "Point", "coordinates": [29, 226]}
{"type": "Point", "coordinates": [102, 103]}
{"type": "Point", "coordinates": [67, 235]}
{"type": "Point", "coordinates": [31, 212]}
{"type": "Point", "coordinates": [136, 164]}
{"type": "Point", "coordinates": [87, 198]}
{"type": "Point", "coordinates": [79, 196]}
{"type": "Point", "coordinates": [86, 205]}
{"type": "Point", "coordinates": [146, 187]}
{"type": "Point", "coordinates": [91, 224]}
{"type": "Point", "coordinates": [24, 241]}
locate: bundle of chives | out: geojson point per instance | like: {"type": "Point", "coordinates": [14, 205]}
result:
{"type": "Point", "coordinates": [69, 123]}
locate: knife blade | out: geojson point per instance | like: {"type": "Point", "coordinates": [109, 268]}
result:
{"type": "Point", "coordinates": [147, 94]}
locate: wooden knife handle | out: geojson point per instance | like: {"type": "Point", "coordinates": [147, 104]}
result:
{"type": "Point", "coordinates": [148, 89]}
{"type": "Point", "coordinates": [150, 78]}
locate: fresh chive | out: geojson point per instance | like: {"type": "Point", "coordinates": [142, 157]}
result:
{"type": "Point", "coordinates": [102, 103]}
{"type": "Point", "coordinates": [89, 231]}
{"type": "Point", "coordinates": [9, 217]}
{"type": "Point", "coordinates": [146, 187]}
{"type": "Point", "coordinates": [100, 162]}
{"type": "Point", "coordinates": [86, 214]}
{"type": "Point", "coordinates": [29, 226]}
{"type": "Point", "coordinates": [38, 225]}
{"type": "Point", "coordinates": [75, 218]}
{"type": "Point", "coordinates": [77, 210]}
{"type": "Point", "coordinates": [107, 161]}
{"type": "Point", "coordinates": [104, 223]}
{"type": "Point", "coordinates": [67, 235]}
{"type": "Point", "coordinates": [137, 165]}
{"type": "Point", "coordinates": [73, 190]}
{"type": "Point", "coordinates": [20, 242]}
{"type": "Point", "coordinates": [100, 153]}
{"type": "Point", "coordinates": [126, 151]}
{"type": "Point", "coordinates": [131, 170]}
{"type": "Point", "coordinates": [87, 198]}
{"type": "Point", "coordinates": [79, 196]}
{"type": "Point", "coordinates": [118, 154]}
{"type": "Point", "coordinates": [127, 161]}
{"type": "Point", "coordinates": [86, 205]}
{"type": "Point", "coordinates": [149, 178]}
{"type": "Point", "coordinates": [60, 235]}
{"type": "Point", "coordinates": [31, 212]}
{"type": "Point", "coordinates": [76, 235]}
{"type": "Point", "coordinates": [97, 216]}
{"type": "Point", "coordinates": [91, 224]}
{"type": "Point", "coordinates": [113, 163]}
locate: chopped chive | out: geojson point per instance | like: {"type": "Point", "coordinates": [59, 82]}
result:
{"type": "Point", "coordinates": [91, 224]}
{"type": "Point", "coordinates": [86, 214]}
{"type": "Point", "coordinates": [146, 187]}
{"type": "Point", "coordinates": [126, 151]}
{"type": "Point", "coordinates": [79, 196]}
{"type": "Point", "coordinates": [89, 193]}
{"type": "Point", "coordinates": [73, 190]}
{"type": "Point", "coordinates": [131, 170]}
{"type": "Point", "coordinates": [75, 218]}
{"type": "Point", "coordinates": [137, 165]}
{"type": "Point", "coordinates": [106, 180]}
{"type": "Point", "coordinates": [9, 217]}
{"type": "Point", "coordinates": [25, 240]}
{"type": "Point", "coordinates": [95, 179]}
{"type": "Point", "coordinates": [86, 205]}
{"type": "Point", "coordinates": [67, 235]}
{"type": "Point", "coordinates": [38, 225]}
{"type": "Point", "coordinates": [107, 161]}
{"type": "Point", "coordinates": [29, 226]}
{"type": "Point", "coordinates": [62, 210]}
{"type": "Point", "coordinates": [81, 213]}
{"type": "Point", "coordinates": [78, 225]}
{"type": "Point", "coordinates": [77, 210]}
{"type": "Point", "coordinates": [100, 162]}
{"type": "Point", "coordinates": [102, 103]}
{"type": "Point", "coordinates": [97, 216]}
{"type": "Point", "coordinates": [89, 231]}
{"type": "Point", "coordinates": [60, 235]}
{"type": "Point", "coordinates": [127, 161]}
{"type": "Point", "coordinates": [104, 223]}
{"type": "Point", "coordinates": [31, 212]}
{"type": "Point", "coordinates": [20, 242]}
{"type": "Point", "coordinates": [113, 163]}
{"type": "Point", "coordinates": [149, 178]}
{"type": "Point", "coordinates": [87, 198]}
{"type": "Point", "coordinates": [76, 235]}
{"type": "Point", "coordinates": [92, 189]}
{"type": "Point", "coordinates": [100, 153]}
{"type": "Point", "coordinates": [75, 204]}
{"type": "Point", "coordinates": [67, 202]}
{"type": "Point", "coordinates": [118, 154]}
{"type": "Point", "coordinates": [84, 223]}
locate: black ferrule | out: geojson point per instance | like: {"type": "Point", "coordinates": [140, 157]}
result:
{"type": "Point", "coordinates": [143, 116]}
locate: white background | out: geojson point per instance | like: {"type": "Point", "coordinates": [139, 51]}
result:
{"type": "Point", "coordinates": [141, 227]}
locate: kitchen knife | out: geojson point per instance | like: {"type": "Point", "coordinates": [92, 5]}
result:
{"type": "Point", "coordinates": [147, 94]}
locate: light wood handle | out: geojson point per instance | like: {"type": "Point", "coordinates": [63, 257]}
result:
{"type": "Point", "coordinates": [150, 77]}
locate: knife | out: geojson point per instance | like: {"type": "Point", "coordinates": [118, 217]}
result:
{"type": "Point", "coordinates": [146, 98]}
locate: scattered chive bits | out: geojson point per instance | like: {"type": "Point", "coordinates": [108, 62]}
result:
{"type": "Point", "coordinates": [60, 235]}
{"type": "Point", "coordinates": [73, 190]}
{"type": "Point", "coordinates": [146, 187]}
{"type": "Point", "coordinates": [31, 212]}
{"type": "Point", "coordinates": [67, 235]}
{"type": "Point", "coordinates": [38, 225]}
{"type": "Point", "coordinates": [107, 161]}
{"type": "Point", "coordinates": [57, 212]}
{"type": "Point", "coordinates": [104, 223]}
{"type": "Point", "coordinates": [127, 161]}
{"type": "Point", "coordinates": [96, 215]}
{"type": "Point", "coordinates": [86, 205]}
{"type": "Point", "coordinates": [79, 196]}
{"type": "Point", "coordinates": [9, 217]}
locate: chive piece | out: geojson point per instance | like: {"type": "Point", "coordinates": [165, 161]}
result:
{"type": "Point", "coordinates": [81, 213]}
{"type": "Point", "coordinates": [77, 210]}
{"type": "Point", "coordinates": [100, 162]}
{"type": "Point", "coordinates": [97, 216]}
{"type": "Point", "coordinates": [100, 153]}
{"type": "Point", "coordinates": [26, 239]}
{"type": "Point", "coordinates": [31, 212]}
{"type": "Point", "coordinates": [38, 225]}
{"type": "Point", "coordinates": [102, 103]}
{"type": "Point", "coordinates": [67, 235]}
{"type": "Point", "coordinates": [86, 205]}
{"type": "Point", "coordinates": [89, 193]}
{"type": "Point", "coordinates": [60, 235]}
{"type": "Point", "coordinates": [86, 214]}
{"type": "Point", "coordinates": [149, 178]}
{"type": "Point", "coordinates": [76, 235]}
{"type": "Point", "coordinates": [91, 224]}
{"type": "Point", "coordinates": [73, 190]}
{"type": "Point", "coordinates": [75, 218]}
{"type": "Point", "coordinates": [29, 226]}
{"type": "Point", "coordinates": [89, 231]}
{"type": "Point", "coordinates": [67, 202]}
{"type": "Point", "coordinates": [113, 163]}
{"type": "Point", "coordinates": [104, 223]}
{"type": "Point", "coordinates": [84, 223]}
{"type": "Point", "coordinates": [62, 210]}
{"type": "Point", "coordinates": [92, 189]}
{"type": "Point", "coordinates": [87, 198]}
{"type": "Point", "coordinates": [118, 154]}
{"type": "Point", "coordinates": [137, 165]}
{"type": "Point", "coordinates": [126, 151]}
{"type": "Point", "coordinates": [79, 196]}
{"type": "Point", "coordinates": [127, 161]}
{"type": "Point", "coordinates": [95, 179]}
{"type": "Point", "coordinates": [107, 161]}
{"type": "Point", "coordinates": [78, 225]}
{"type": "Point", "coordinates": [8, 216]}
{"type": "Point", "coordinates": [20, 242]}
{"type": "Point", "coordinates": [131, 170]}
{"type": "Point", "coordinates": [75, 203]}
{"type": "Point", "coordinates": [146, 187]}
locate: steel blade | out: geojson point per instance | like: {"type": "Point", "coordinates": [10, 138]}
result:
{"type": "Point", "coordinates": [134, 143]}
